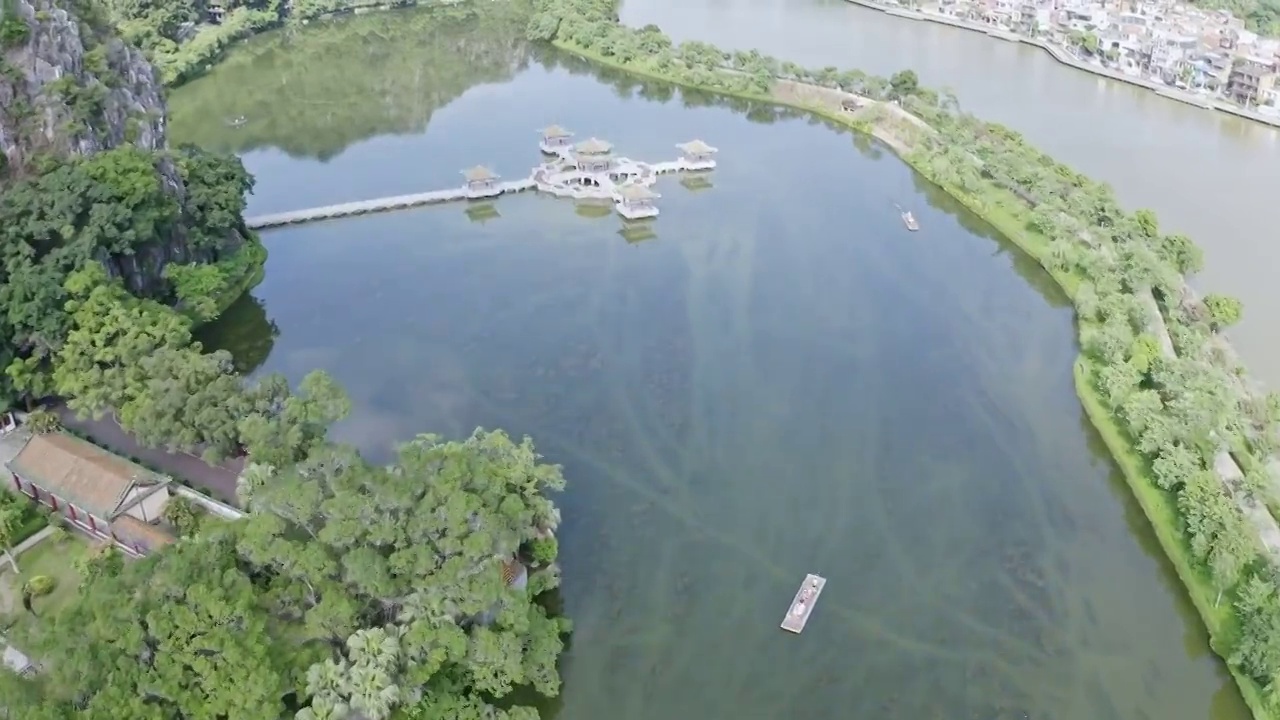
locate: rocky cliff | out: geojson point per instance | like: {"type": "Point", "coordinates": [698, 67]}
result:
{"type": "Point", "coordinates": [70, 87]}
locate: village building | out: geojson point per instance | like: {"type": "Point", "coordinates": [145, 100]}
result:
{"type": "Point", "coordinates": [1251, 81]}
{"type": "Point", "coordinates": [104, 495]}
{"type": "Point", "coordinates": [481, 182]}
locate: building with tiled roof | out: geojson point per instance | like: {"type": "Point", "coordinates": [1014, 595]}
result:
{"type": "Point", "coordinates": [103, 494]}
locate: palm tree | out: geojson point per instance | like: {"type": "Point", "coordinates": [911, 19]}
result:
{"type": "Point", "coordinates": [373, 692]}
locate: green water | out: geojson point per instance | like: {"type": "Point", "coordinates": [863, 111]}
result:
{"type": "Point", "coordinates": [772, 378]}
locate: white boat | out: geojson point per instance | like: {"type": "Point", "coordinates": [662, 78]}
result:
{"type": "Point", "coordinates": [802, 604]}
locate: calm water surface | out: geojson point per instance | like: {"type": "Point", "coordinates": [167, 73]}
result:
{"type": "Point", "coordinates": [1209, 175]}
{"type": "Point", "coordinates": [772, 378]}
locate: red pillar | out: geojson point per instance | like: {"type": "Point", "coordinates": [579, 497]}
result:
{"type": "Point", "coordinates": [53, 501]}
{"type": "Point", "coordinates": [92, 523]}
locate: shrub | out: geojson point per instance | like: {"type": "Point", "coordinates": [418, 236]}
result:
{"type": "Point", "coordinates": [39, 586]}
{"type": "Point", "coordinates": [543, 551]}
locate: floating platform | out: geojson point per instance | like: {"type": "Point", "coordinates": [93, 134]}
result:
{"type": "Point", "coordinates": [802, 604]}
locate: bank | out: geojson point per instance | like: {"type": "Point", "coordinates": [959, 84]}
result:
{"type": "Point", "coordinates": [1065, 58]}
{"type": "Point", "coordinates": [1160, 506]}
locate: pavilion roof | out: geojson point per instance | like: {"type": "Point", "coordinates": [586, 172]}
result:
{"type": "Point", "coordinates": [594, 146]}
{"type": "Point", "coordinates": [555, 131]}
{"type": "Point", "coordinates": [696, 147]}
{"type": "Point", "coordinates": [637, 192]}
{"type": "Point", "coordinates": [478, 173]}
{"type": "Point", "coordinates": [80, 473]}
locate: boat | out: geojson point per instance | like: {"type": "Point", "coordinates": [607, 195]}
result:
{"type": "Point", "coordinates": [802, 604]}
{"type": "Point", "coordinates": [237, 122]}
{"type": "Point", "coordinates": [910, 221]}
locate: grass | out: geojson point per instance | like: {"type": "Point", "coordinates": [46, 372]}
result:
{"type": "Point", "coordinates": [1007, 213]}
{"type": "Point", "coordinates": [55, 558]}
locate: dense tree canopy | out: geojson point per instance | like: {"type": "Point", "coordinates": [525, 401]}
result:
{"type": "Point", "coordinates": [351, 591]}
{"type": "Point", "coordinates": [111, 209]}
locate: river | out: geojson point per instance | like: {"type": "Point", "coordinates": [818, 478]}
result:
{"type": "Point", "coordinates": [770, 379]}
{"type": "Point", "coordinates": [1207, 174]}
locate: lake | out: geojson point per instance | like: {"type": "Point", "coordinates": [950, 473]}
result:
{"type": "Point", "coordinates": [1207, 174]}
{"type": "Point", "coordinates": [771, 378]}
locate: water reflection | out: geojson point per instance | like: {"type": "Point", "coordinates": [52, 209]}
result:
{"type": "Point", "coordinates": [314, 91]}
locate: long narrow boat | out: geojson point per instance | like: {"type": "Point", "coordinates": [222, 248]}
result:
{"type": "Point", "coordinates": [910, 221]}
{"type": "Point", "coordinates": [802, 604]}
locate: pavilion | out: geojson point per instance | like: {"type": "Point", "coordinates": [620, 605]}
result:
{"type": "Point", "coordinates": [104, 495]}
{"type": "Point", "coordinates": [594, 156]}
{"type": "Point", "coordinates": [636, 201]}
{"type": "Point", "coordinates": [697, 155]}
{"type": "Point", "coordinates": [555, 140]}
{"type": "Point", "coordinates": [481, 182]}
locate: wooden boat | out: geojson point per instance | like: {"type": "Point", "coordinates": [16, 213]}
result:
{"type": "Point", "coordinates": [910, 221]}
{"type": "Point", "coordinates": [802, 604]}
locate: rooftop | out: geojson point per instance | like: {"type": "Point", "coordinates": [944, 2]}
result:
{"type": "Point", "coordinates": [479, 173]}
{"type": "Point", "coordinates": [555, 131]}
{"type": "Point", "coordinates": [637, 192]}
{"type": "Point", "coordinates": [697, 147]}
{"type": "Point", "coordinates": [594, 146]}
{"type": "Point", "coordinates": [81, 473]}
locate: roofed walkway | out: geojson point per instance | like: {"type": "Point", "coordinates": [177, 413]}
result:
{"type": "Point", "coordinates": [587, 170]}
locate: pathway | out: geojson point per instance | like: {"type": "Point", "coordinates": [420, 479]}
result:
{"type": "Point", "coordinates": [561, 177]}
{"type": "Point", "coordinates": [219, 481]}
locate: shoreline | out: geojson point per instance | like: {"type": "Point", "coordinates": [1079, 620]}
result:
{"type": "Point", "coordinates": [1065, 58]}
{"type": "Point", "coordinates": [1220, 622]}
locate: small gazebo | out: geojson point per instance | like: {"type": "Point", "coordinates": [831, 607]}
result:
{"type": "Point", "coordinates": [594, 155]}
{"type": "Point", "coordinates": [698, 154]}
{"type": "Point", "coordinates": [555, 140]}
{"type": "Point", "coordinates": [636, 201]}
{"type": "Point", "coordinates": [481, 182]}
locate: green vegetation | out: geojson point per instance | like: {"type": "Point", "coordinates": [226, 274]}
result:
{"type": "Point", "coordinates": [113, 207]}
{"type": "Point", "coordinates": [1260, 15]}
{"type": "Point", "coordinates": [350, 586]}
{"type": "Point", "coordinates": [352, 590]}
{"type": "Point", "coordinates": [314, 91]}
{"type": "Point", "coordinates": [1156, 376]}
{"type": "Point", "coordinates": [184, 38]}
{"type": "Point", "coordinates": [56, 560]}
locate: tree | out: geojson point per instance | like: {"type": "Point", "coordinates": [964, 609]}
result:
{"type": "Point", "coordinates": [903, 84]}
{"type": "Point", "coordinates": [1231, 553]}
{"type": "Point", "coordinates": [184, 633]}
{"type": "Point", "coordinates": [100, 366]}
{"type": "Point", "coordinates": [281, 427]}
{"type": "Point", "coordinates": [10, 522]}
{"type": "Point", "coordinates": [183, 515]}
{"type": "Point", "coordinates": [1224, 310]}
{"type": "Point", "coordinates": [189, 400]}
{"type": "Point", "coordinates": [402, 566]}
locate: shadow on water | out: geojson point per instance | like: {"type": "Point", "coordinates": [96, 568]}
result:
{"type": "Point", "coordinates": [245, 329]}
